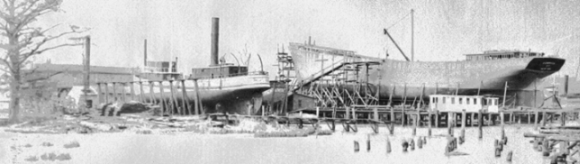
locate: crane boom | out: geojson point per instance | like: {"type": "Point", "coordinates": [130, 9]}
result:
{"type": "Point", "coordinates": [393, 40]}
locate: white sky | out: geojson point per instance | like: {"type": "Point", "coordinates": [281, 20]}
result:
{"type": "Point", "coordinates": [444, 30]}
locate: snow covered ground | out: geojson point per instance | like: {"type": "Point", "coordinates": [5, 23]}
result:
{"type": "Point", "coordinates": [188, 147]}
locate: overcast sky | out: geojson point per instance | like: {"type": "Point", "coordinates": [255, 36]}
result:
{"type": "Point", "coordinates": [444, 30]}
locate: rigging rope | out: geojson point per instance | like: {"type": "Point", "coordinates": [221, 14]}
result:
{"type": "Point", "coordinates": [398, 21]}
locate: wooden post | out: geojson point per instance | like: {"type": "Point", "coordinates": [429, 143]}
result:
{"type": "Point", "coordinates": [562, 118]}
{"type": "Point", "coordinates": [376, 114]}
{"type": "Point", "coordinates": [463, 125]}
{"type": "Point", "coordinates": [392, 114]}
{"type": "Point", "coordinates": [199, 105]}
{"type": "Point", "coordinates": [480, 123]}
{"type": "Point", "coordinates": [347, 113]}
{"type": "Point", "coordinates": [172, 99]}
{"type": "Point", "coordinates": [529, 117]}
{"type": "Point", "coordinates": [544, 117]}
{"type": "Point", "coordinates": [106, 85]}
{"type": "Point", "coordinates": [511, 115]}
{"type": "Point", "coordinates": [132, 90]}
{"type": "Point", "coordinates": [124, 91]}
{"type": "Point", "coordinates": [100, 94]}
{"type": "Point", "coordinates": [449, 123]}
{"type": "Point", "coordinates": [404, 115]}
{"type": "Point", "coordinates": [185, 98]}
{"type": "Point", "coordinates": [416, 122]}
{"type": "Point", "coordinates": [430, 119]}
{"type": "Point", "coordinates": [437, 118]}
{"type": "Point", "coordinates": [317, 112]}
{"type": "Point", "coordinates": [354, 117]}
{"type": "Point", "coordinates": [115, 98]}
{"type": "Point", "coordinates": [152, 93]}
{"type": "Point", "coordinates": [388, 145]}
{"type": "Point", "coordinates": [142, 92]}
{"type": "Point", "coordinates": [164, 105]}
{"type": "Point", "coordinates": [472, 119]}
{"type": "Point", "coordinates": [463, 119]}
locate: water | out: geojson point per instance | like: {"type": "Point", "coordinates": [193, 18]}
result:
{"type": "Point", "coordinates": [337, 148]}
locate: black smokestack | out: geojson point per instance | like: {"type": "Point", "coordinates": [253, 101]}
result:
{"type": "Point", "coordinates": [145, 53]}
{"type": "Point", "coordinates": [215, 26]}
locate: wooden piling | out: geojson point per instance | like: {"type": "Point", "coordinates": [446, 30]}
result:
{"type": "Point", "coordinates": [546, 147]}
{"type": "Point", "coordinates": [463, 119]}
{"type": "Point", "coordinates": [356, 146]}
{"type": "Point", "coordinates": [100, 94]}
{"type": "Point", "coordinates": [416, 122]}
{"type": "Point", "coordinates": [449, 123]}
{"type": "Point", "coordinates": [198, 104]}
{"type": "Point", "coordinates": [472, 119]}
{"type": "Point", "coordinates": [388, 145]}
{"type": "Point", "coordinates": [151, 93]}
{"type": "Point", "coordinates": [164, 105]}
{"type": "Point", "coordinates": [115, 98]}
{"type": "Point", "coordinates": [430, 119]}
{"type": "Point", "coordinates": [347, 113]}
{"type": "Point", "coordinates": [375, 114]}
{"type": "Point", "coordinates": [404, 115]}
{"type": "Point", "coordinates": [544, 117]}
{"type": "Point", "coordinates": [185, 99]}
{"type": "Point", "coordinates": [480, 124]}
{"type": "Point", "coordinates": [132, 90]}
{"type": "Point", "coordinates": [392, 114]}
{"type": "Point", "coordinates": [368, 142]}
{"type": "Point", "coordinates": [563, 119]}
{"type": "Point", "coordinates": [529, 117]}
{"type": "Point", "coordinates": [172, 99]}
{"type": "Point", "coordinates": [141, 92]}
{"type": "Point", "coordinates": [509, 156]}
{"type": "Point", "coordinates": [106, 86]}
{"type": "Point", "coordinates": [317, 112]}
{"type": "Point", "coordinates": [437, 118]}
{"type": "Point", "coordinates": [501, 117]}
{"type": "Point", "coordinates": [124, 91]}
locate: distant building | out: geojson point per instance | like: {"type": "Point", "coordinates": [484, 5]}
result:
{"type": "Point", "coordinates": [62, 83]}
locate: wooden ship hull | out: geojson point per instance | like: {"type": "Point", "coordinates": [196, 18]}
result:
{"type": "Point", "coordinates": [241, 94]}
{"type": "Point", "coordinates": [399, 79]}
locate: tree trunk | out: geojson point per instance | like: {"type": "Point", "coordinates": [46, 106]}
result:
{"type": "Point", "coordinates": [15, 98]}
{"type": "Point", "coordinates": [14, 56]}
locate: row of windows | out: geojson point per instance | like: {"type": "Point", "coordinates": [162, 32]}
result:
{"type": "Point", "coordinates": [467, 101]}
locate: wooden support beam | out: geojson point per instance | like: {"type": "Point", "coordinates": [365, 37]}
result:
{"type": "Point", "coordinates": [152, 93]}
{"type": "Point", "coordinates": [106, 86]}
{"type": "Point", "coordinates": [115, 96]}
{"type": "Point", "coordinates": [124, 91]}
{"type": "Point", "coordinates": [199, 105]}
{"type": "Point", "coordinates": [436, 118]}
{"type": "Point", "coordinates": [141, 92]}
{"type": "Point", "coordinates": [100, 94]}
{"type": "Point", "coordinates": [164, 104]}
{"type": "Point", "coordinates": [132, 85]}
{"type": "Point", "coordinates": [185, 98]}
{"type": "Point", "coordinates": [172, 99]}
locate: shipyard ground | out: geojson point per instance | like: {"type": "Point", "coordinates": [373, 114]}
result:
{"type": "Point", "coordinates": [175, 145]}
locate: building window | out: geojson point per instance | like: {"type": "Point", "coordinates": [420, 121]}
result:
{"type": "Point", "coordinates": [443, 100]}
{"type": "Point", "coordinates": [459, 100]}
{"type": "Point", "coordinates": [467, 101]}
{"type": "Point", "coordinates": [453, 100]}
{"type": "Point", "coordinates": [475, 101]}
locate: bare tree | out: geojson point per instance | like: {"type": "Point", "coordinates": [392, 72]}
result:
{"type": "Point", "coordinates": [25, 40]}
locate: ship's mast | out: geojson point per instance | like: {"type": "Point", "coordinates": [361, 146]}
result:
{"type": "Point", "coordinates": [412, 35]}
